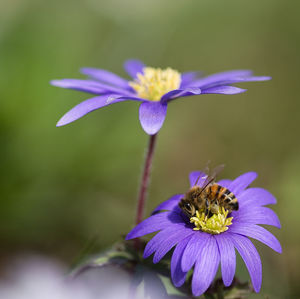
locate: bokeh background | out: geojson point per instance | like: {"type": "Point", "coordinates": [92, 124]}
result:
{"type": "Point", "coordinates": [68, 192]}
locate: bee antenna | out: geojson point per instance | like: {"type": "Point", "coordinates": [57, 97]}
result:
{"type": "Point", "coordinates": [211, 180]}
{"type": "Point", "coordinates": [207, 183]}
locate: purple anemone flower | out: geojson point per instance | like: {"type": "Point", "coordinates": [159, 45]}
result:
{"type": "Point", "coordinates": [152, 88]}
{"type": "Point", "coordinates": [206, 250]}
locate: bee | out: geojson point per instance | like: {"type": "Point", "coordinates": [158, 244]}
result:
{"type": "Point", "coordinates": [209, 198]}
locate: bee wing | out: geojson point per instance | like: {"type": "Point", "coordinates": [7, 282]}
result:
{"type": "Point", "coordinates": [217, 170]}
{"type": "Point", "coordinates": [197, 178]}
{"type": "Point", "coordinates": [212, 177]}
{"type": "Point", "coordinates": [202, 175]}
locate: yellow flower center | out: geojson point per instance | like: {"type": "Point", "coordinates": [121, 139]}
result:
{"type": "Point", "coordinates": [216, 224]}
{"type": "Point", "coordinates": [153, 83]}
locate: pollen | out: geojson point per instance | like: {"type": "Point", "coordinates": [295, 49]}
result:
{"type": "Point", "coordinates": [153, 83]}
{"type": "Point", "coordinates": [216, 224]}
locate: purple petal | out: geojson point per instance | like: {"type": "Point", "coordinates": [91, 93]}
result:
{"type": "Point", "coordinates": [178, 276]}
{"type": "Point", "coordinates": [256, 232]}
{"type": "Point", "coordinates": [152, 116]}
{"type": "Point", "coordinates": [81, 85]}
{"type": "Point", "coordinates": [169, 204]}
{"type": "Point", "coordinates": [251, 258]}
{"type": "Point", "coordinates": [236, 80]}
{"type": "Point", "coordinates": [256, 215]}
{"type": "Point", "coordinates": [225, 183]}
{"type": "Point", "coordinates": [197, 177]}
{"type": "Point", "coordinates": [193, 249]}
{"type": "Point", "coordinates": [105, 76]}
{"type": "Point", "coordinates": [86, 107]}
{"type": "Point", "coordinates": [242, 182]}
{"type": "Point", "coordinates": [85, 85]}
{"type": "Point", "coordinates": [134, 66]}
{"type": "Point", "coordinates": [206, 267]}
{"type": "Point", "coordinates": [228, 260]}
{"type": "Point", "coordinates": [223, 90]}
{"type": "Point", "coordinates": [170, 241]}
{"type": "Point", "coordinates": [220, 77]}
{"type": "Point", "coordinates": [176, 93]}
{"type": "Point", "coordinates": [256, 197]}
{"type": "Point", "coordinates": [188, 77]}
{"type": "Point", "coordinates": [239, 80]}
{"type": "Point", "coordinates": [112, 98]}
{"type": "Point", "coordinates": [155, 223]}
{"type": "Point", "coordinates": [157, 240]}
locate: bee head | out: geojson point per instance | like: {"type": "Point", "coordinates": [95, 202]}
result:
{"type": "Point", "coordinates": [187, 207]}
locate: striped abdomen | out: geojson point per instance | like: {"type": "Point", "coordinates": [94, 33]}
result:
{"type": "Point", "coordinates": [222, 196]}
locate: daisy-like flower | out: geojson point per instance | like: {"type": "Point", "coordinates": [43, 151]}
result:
{"type": "Point", "coordinates": [204, 243]}
{"type": "Point", "coordinates": [153, 88]}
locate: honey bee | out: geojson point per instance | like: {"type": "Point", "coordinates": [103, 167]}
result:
{"type": "Point", "coordinates": [209, 198]}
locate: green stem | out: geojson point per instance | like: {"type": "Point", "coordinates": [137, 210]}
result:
{"type": "Point", "coordinates": [145, 180]}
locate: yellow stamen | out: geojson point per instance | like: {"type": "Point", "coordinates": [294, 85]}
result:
{"type": "Point", "coordinates": [216, 224]}
{"type": "Point", "coordinates": [153, 83]}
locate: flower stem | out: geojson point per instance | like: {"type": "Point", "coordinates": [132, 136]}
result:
{"type": "Point", "coordinates": [145, 180]}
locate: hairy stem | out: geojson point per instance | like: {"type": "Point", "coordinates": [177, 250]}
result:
{"type": "Point", "coordinates": [145, 180]}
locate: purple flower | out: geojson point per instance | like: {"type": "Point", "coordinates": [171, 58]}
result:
{"type": "Point", "coordinates": [153, 88]}
{"type": "Point", "coordinates": [205, 251]}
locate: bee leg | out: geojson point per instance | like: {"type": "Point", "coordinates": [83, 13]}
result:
{"type": "Point", "coordinates": [206, 207]}
{"type": "Point", "coordinates": [214, 207]}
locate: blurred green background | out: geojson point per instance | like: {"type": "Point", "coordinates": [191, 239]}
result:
{"type": "Point", "coordinates": [71, 190]}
